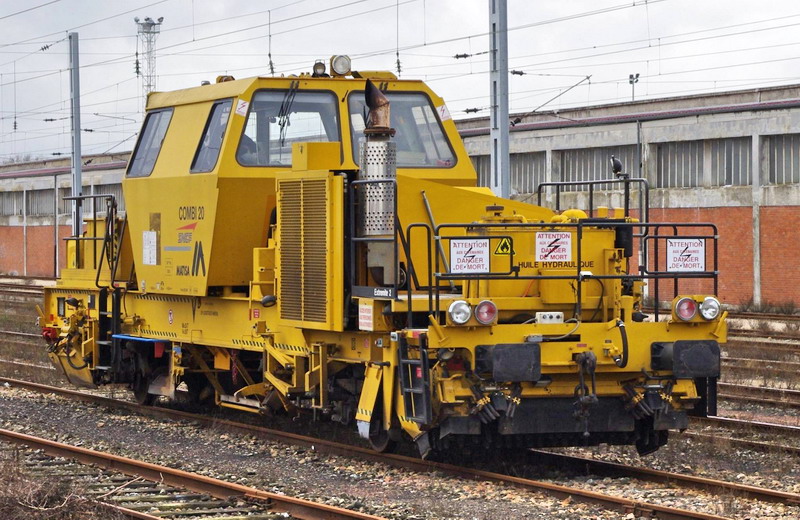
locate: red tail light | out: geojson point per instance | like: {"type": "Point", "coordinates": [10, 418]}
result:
{"type": "Point", "coordinates": [686, 309]}
{"type": "Point", "coordinates": [485, 312]}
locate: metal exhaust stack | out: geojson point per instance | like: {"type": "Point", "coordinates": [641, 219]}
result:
{"type": "Point", "coordinates": [377, 158]}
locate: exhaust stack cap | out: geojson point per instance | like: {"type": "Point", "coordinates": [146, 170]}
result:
{"type": "Point", "coordinates": [379, 119]}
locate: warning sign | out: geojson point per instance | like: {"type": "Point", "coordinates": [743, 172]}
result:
{"type": "Point", "coordinates": [553, 246]}
{"type": "Point", "coordinates": [686, 255]}
{"type": "Point", "coordinates": [504, 248]}
{"type": "Point", "coordinates": [469, 255]}
{"type": "Point", "coordinates": [365, 319]}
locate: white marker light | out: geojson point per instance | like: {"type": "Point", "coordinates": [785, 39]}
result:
{"type": "Point", "coordinates": [459, 312]}
{"type": "Point", "coordinates": [710, 308]}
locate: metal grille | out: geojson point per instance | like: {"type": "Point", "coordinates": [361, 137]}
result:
{"type": "Point", "coordinates": [594, 164]}
{"type": "Point", "coordinates": [679, 164]}
{"type": "Point", "coordinates": [527, 170]}
{"type": "Point", "coordinates": [482, 165]}
{"type": "Point", "coordinates": [11, 203]}
{"type": "Point", "coordinates": [303, 220]}
{"type": "Point", "coordinates": [109, 189]}
{"type": "Point", "coordinates": [731, 162]}
{"type": "Point", "coordinates": [39, 202]}
{"type": "Point", "coordinates": [784, 158]}
{"type": "Point", "coordinates": [64, 206]}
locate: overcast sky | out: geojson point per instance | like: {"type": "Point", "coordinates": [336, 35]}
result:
{"type": "Point", "coordinates": [678, 47]}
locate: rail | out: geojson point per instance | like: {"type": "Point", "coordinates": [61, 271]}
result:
{"type": "Point", "coordinates": [297, 507]}
{"type": "Point", "coordinates": [618, 503]}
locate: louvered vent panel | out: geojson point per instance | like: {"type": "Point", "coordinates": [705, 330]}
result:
{"type": "Point", "coordinates": [303, 250]}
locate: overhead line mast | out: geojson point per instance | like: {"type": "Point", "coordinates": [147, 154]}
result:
{"type": "Point", "coordinates": [499, 179]}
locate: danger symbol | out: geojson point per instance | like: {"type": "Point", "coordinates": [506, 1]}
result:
{"type": "Point", "coordinates": [504, 248]}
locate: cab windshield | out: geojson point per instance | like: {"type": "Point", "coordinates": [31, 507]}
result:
{"type": "Point", "coordinates": [278, 118]}
{"type": "Point", "coordinates": [421, 141]}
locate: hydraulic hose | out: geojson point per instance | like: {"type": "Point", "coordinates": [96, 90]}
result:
{"type": "Point", "coordinates": [67, 355]}
{"type": "Point", "coordinates": [622, 361]}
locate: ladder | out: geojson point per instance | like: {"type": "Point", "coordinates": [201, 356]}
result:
{"type": "Point", "coordinates": [415, 381]}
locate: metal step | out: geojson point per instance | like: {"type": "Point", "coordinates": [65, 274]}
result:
{"type": "Point", "coordinates": [415, 382]}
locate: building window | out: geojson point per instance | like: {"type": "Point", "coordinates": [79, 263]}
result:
{"type": "Point", "coordinates": [527, 170]}
{"type": "Point", "coordinates": [679, 164]}
{"type": "Point", "coordinates": [731, 163]}
{"type": "Point", "coordinates": [483, 167]}
{"type": "Point", "coordinates": [594, 164]}
{"type": "Point", "coordinates": [10, 203]}
{"type": "Point", "coordinates": [784, 158]}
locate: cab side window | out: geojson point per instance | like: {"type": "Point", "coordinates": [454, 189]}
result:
{"type": "Point", "coordinates": [205, 158]}
{"type": "Point", "coordinates": [149, 145]}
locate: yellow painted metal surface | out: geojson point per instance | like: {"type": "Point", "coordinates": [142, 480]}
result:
{"type": "Point", "coordinates": [242, 271]}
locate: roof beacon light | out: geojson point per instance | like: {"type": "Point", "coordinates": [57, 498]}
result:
{"type": "Point", "coordinates": [340, 65]}
{"type": "Point", "coordinates": [319, 68]}
{"type": "Point", "coordinates": [686, 309]}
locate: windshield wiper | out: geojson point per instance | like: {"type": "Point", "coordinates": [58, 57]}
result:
{"type": "Point", "coordinates": [286, 110]}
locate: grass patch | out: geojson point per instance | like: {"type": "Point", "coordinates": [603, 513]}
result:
{"type": "Point", "coordinates": [788, 307]}
{"type": "Point", "coordinates": [45, 498]}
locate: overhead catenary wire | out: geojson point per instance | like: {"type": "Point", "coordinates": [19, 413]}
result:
{"type": "Point", "coordinates": [409, 62]}
{"type": "Point", "coordinates": [29, 9]}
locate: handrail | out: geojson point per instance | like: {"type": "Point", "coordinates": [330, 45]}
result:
{"type": "Point", "coordinates": [412, 269]}
{"type": "Point", "coordinates": [108, 236]}
{"type": "Point", "coordinates": [644, 193]}
{"type": "Point", "coordinates": [355, 238]}
{"type": "Point", "coordinates": [644, 271]}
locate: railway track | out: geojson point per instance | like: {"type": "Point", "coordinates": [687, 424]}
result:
{"type": "Point", "coordinates": [780, 397]}
{"type": "Point", "coordinates": [28, 337]}
{"type": "Point", "coordinates": [14, 293]}
{"type": "Point", "coordinates": [165, 491]}
{"type": "Point", "coordinates": [750, 367]}
{"type": "Point", "coordinates": [774, 316]}
{"type": "Point", "coordinates": [746, 426]}
{"type": "Point", "coordinates": [612, 502]}
{"type": "Point", "coordinates": [761, 336]}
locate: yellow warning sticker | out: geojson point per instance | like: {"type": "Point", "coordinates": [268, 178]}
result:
{"type": "Point", "coordinates": [504, 247]}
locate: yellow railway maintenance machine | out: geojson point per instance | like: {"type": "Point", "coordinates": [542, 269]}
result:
{"type": "Point", "coordinates": [319, 242]}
